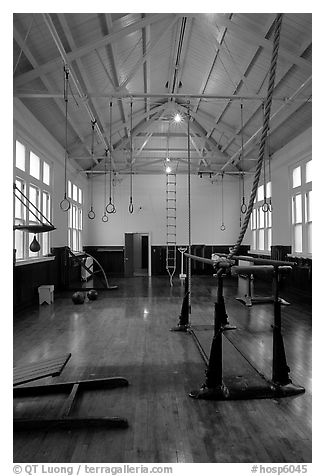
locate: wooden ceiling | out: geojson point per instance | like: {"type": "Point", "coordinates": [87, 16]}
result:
{"type": "Point", "coordinates": [212, 67]}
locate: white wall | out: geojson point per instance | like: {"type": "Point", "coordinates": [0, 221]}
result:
{"type": "Point", "coordinates": [149, 199]}
{"type": "Point", "coordinates": [29, 129]}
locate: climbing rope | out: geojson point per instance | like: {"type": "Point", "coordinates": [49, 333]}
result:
{"type": "Point", "coordinates": [222, 227]}
{"type": "Point", "coordinates": [266, 121]}
{"type": "Point", "coordinates": [189, 272]}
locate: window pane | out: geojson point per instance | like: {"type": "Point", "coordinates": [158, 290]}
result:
{"type": "Point", "coordinates": [74, 216]}
{"type": "Point", "coordinates": [261, 239]}
{"type": "Point", "coordinates": [260, 193]}
{"type": "Point", "coordinates": [308, 171]}
{"type": "Point", "coordinates": [254, 240]}
{"type": "Point", "coordinates": [80, 219]}
{"type": "Point", "coordinates": [298, 209]}
{"type": "Point", "coordinates": [46, 173]}
{"type": "Point", "coordinates": [269, 214]}
{"type": "Point", "coordinates": [269, 239]}
{"type": "Point", "coordinates": [296, 177]}
{"type": "Point", "coordinates": [309, 238]}
{"type": "Point", "coordinates": [309, 206]}
{"type": "Point", "coordinates": [33, 197]}
{"type": "Point", "coordinates": [261, 218]}
{"type": "Point", "coordinates": [80, 195]}
{"type": "Point", "coordinates": [254, 219]}
{"type": "Point", "coordinates": [75, 193]}
{"type": "Point", "coordinates": [70, 218]}
{"type": "Point", "coordinates": [298, 238]}
{"type": "Point", "coordinates": [45, 244]}
{"type": "Point", "coordinates": [20, 155]}
{"type": "Point", "coordinates": [69, 189]}
{"type": "Point", "coordinates": [268, 190]}
{"type": "Point", "coordinates": [34, 166]}
{"type": "Point", "coordinates": [19, 244]}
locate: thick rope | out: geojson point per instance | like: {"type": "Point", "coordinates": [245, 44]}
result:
{"type": "Point", "coordinates": [266, 121]}
{"type": "Point", "coordinates": [189, 209]}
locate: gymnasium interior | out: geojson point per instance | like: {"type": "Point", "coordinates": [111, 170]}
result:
{"type": "Point", "coordinates": [162, 238]}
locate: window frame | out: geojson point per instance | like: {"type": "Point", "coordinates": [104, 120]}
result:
{"type": "Point", "coordinates": [41, 187]}
{"type": "Point", "coordinates": [304, 189]}
{"type": "Point", "coordinates": [260, 226]}
{"type": "Point", "coordinates": [75, 217]}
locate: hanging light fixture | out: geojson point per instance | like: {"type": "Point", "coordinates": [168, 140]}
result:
{"type": "Point", "coordinates": [65, 203]}
{"type": "Point", "coordinates": [91, 213]}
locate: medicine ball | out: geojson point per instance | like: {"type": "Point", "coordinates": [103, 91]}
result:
{"type": "Point", "coordinates": [92, 295]}
{"type": "Point", "coordinates": [78, 297]}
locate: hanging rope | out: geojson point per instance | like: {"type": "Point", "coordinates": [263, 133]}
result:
{"type": "Point", "coordinates": [189, 271]}
{"type": "Point", "coordinates": [265, 206]}
{"type": "Point", "coordinates": [131, 208]}
{"type": "Point", "coordinates": [243, 207]}
{"type": "Point", "coordinates": [110, 207]}
{"type": "Point", "coordinates": [91, 213]}
{"type": "Point", "coordinates": [270, 177]}
{"type": "Point", "coordinates": [266, 121]}
{"type": "Point", "coordinates": [222, 227]}
{"type": "Point", "coordinates": [105, 217]}
{"type": "Point", "coordinates": [65, 203]}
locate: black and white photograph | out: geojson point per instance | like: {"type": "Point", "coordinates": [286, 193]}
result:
{"type": "Point", "coordinates": [161, 239]}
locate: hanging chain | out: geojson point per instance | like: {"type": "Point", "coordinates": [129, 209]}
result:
{"type": "Point", "coordinates": [91, 213]}
{"type": "Point", "coordinates": [131, 208]}
{"type": "Point", "coordinates": [65, 203]}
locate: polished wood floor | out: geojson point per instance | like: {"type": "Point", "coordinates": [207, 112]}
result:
{"type": "Point", "coordinates": [126, 333]}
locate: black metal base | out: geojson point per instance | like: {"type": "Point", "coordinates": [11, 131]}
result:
{"type": "Point", "coordinates": [239, 389]}
{"type": "Point", "coordinates": [287, 390]}
{"type": "Point", "coordinates": [220, 392]}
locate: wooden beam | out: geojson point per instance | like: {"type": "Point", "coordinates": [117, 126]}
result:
{"type": "Point", "coordinates": [90, 47]}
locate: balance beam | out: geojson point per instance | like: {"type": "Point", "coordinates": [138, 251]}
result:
{"type": "Point", "coordinates": [244, 258]}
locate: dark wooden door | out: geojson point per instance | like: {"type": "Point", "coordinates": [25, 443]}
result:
{"type": "Point", "coordinates": [128, 255]}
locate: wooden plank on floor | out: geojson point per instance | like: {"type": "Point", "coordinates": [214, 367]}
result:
{"type": "Point", "coordinates": [45, 368]}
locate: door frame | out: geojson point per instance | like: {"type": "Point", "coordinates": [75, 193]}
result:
{"type": "Point", "coordinates": [148, 234]}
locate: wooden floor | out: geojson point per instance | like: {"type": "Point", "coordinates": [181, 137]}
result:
{"type": "Point", "coordinates": [126, 333]}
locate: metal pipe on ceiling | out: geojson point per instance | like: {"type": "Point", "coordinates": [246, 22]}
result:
{"type": "Point", "coordinates": [121, 95]}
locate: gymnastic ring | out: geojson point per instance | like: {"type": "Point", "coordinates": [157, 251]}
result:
{"type": "Point", "coordinates": [65, 205]}
{"type": "Point", "coordinates": [110, 207]}
{"type": "Point", "coordinates": [222, 228]}
{"type": "Point", "coordinates": [91, 214]}
{"type": "Point", "coordinates": [270, 207]}
{"type": "Point", "coordinates": [131, 208]}
{"type": "Point", "coordinates": [243, 208]}
{"type": "Point", "coordinates": [265, 207]}
{"type": "Point", "coordinates": [114, 210]}
{"type": "Point", "coordinates": [105, 218]}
